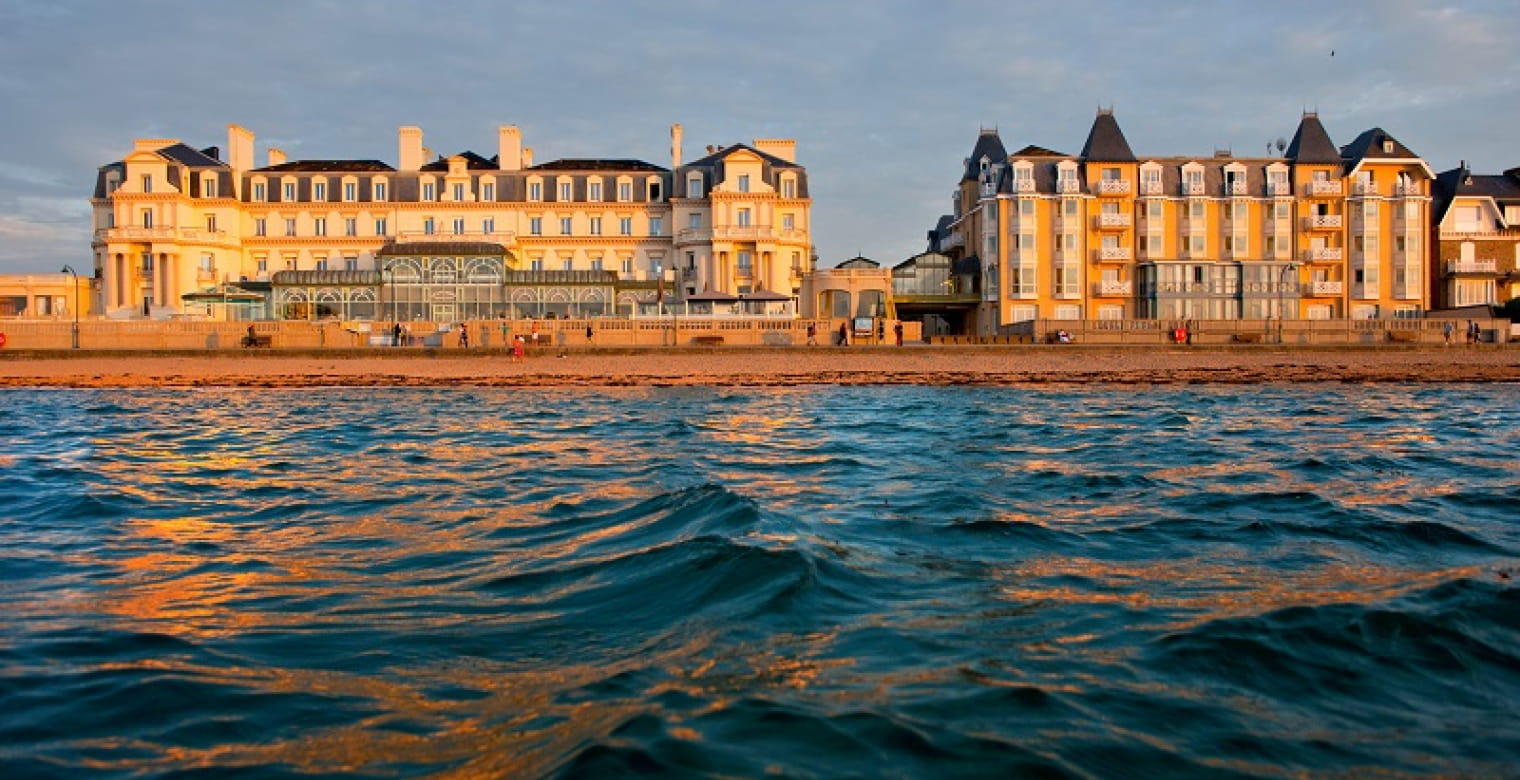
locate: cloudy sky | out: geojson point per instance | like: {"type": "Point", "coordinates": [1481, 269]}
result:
{"type": "Point", "coordinates": [884, 97]}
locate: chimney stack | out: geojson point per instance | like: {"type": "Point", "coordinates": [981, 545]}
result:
{"type": "Point", "coordinates": [509, 156]}
{"type": "Point", "coordinates": [785, 148]}
{"type": "Point", "coordinates": [276, 157]}
{"type": "Point", "coordinates": [409, 155]}
{"type": "Point", "coordinates": [675, 146]}
{"type": "Point", "coordinates": [527, 157]}
{"type": "Point", "coordinates": [239, 148]}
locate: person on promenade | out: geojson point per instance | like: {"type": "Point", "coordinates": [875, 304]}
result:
{"type": "Point", "coordinates": [1446, 332]}
{"type": "Point", "coordinates": [396, 335]}
{"type": "Point", "coordinates": [534, 334]}
{"type": "Point", "coordinates": [517, 348]}
{"type": "Point", "coordinates": [812, 333]}
{"type": "Point", "coordinates": [1474, 333]}
{"type": "Point", "coordinates": [464, 336]}
{"type": "Point", "coordinates": [844, 335]}
{"type": "Point", "coordinates": [897, 332]}
{"type": "Point", "coordinates": [588, 334]}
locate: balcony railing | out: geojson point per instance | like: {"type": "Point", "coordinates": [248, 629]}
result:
{"type": "Point", "coordinates": [1407, 190]}
{"type": "Point", "coordinates": [1325, 288]}
{"type": "Point", "coordinates": [1067, 186]}
{"type": "Point", "coordinates": [436, 237]}
{"type": "Point", "coordinates": [1023, 185]}
{"type": "Point", "coordinates": [1113, 187]}
{"type": "Point", "coordinates": [1150, 188]}
{"type": "Point", "coordinates": [1236, 187]}
{"type": "Point", "coordinates": [205, 274]}
{"type": "Point", "coordinates": [1323, 222]}
{"type": "Point", "coordinates": [1113, 287]}
{"type": "Point", "coordinates": [955, 239]}
{"type": "Point", "coordinates": [1113, 220]}
{"type": "Point", "coordinates": [1114, 253]}
{"type": "Point", "coordinates": [1193, 188]}
{"type": "Point", "coordinates": [1322, 188]}
{"type": "Point", "coordinates": [1322, 254]}
{"type": "Point", "coordinates": [1278, 189]}
{"type": "Point", "coordinates": [1472, 267]}
{"type": "Point", "coordinates": [1364, 188]}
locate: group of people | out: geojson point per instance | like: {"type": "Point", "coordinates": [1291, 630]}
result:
{"type": "Point", "coordinates": [1474, 332]}
{"type": "Point", "coordinates": [842, 338]}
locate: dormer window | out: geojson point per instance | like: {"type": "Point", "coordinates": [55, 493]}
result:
{"type": "Point", "coordinates": [744, 182]}
{"type": "Point", "coordinates": [1387, 146]}
{"type": "Point", "coordinates": [319, 191]}
{"type": "Point", "coordinates": [208, 187]}
{"type": "Point", "coordinates": [147, 182]}
{"type": "Point", "coordinates": [694, 186]}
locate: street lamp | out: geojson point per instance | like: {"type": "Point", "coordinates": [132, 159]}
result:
{"type": "Point", "coordinates": [1281, 285]}
{"type": "Point", "coordinates": [68, 269]}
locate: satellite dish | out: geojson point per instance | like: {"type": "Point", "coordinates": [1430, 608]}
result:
{"type": "Point", "coordinates": [1281, 144]}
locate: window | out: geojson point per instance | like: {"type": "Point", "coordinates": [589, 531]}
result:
{"type": "Point", "coordinates": [536, 225]}
{"type": "Point", "coordinates": [290, 263]}
{"type": "Point", "coordinates": [694, 221]}
{"type": "Point", "coordinates": [1195, 245]}
{"type": "Point", "coordinates": [380, 190]}
{"type": "Point", "coordinates": [488, 225]}
{"type": "Point", "coordinates": [627, 266]}
{"type": "Point", "coordinates": [350, 263]}
{"type": "Point", "coordinates": [290, 226]}
{"type": "Point", "coordinates": [744, 182]}
{"type": "Point", "coordinates": [625, 226]}
{"type": "Point", "coordinates": [1111, 174]}
{"type": "Point", "coordinates": [594, 191]}
{"type": "Point", "coordinates": [259, 192]}
{"type": "Point", "coordinates": [1195, 182]}
{"type": "Point", "coordinates": [208, 187]}
{"type": "Point", "coordinates": [350, 191]}
{"type": "Point", "coordinates": [564, 191]}
{"type": "Point", "coordinates": [596, 264]}
{"type": "Point", "coordinates": [210, 223]}
{"type": "Point", "coordinates": [259, 227]}
{"type": "Point", "coordinates": [319, 226]}
{"type": "Point", "coordinates": [429, 191]}
{"type": "Point", "coordinates": [788, 222]}
{"type": "Point", "coordinates": [694, 186]}
{"type": "Point", "coordinates": [427, 226]}
{"type": "Point", "coordinates": [746, 265]}
{"type": "Point", "coordinates": [1026, 207]}
{"type": "Point", "coordinates": [596, 226]}
{"type": "Point", "coordinates": [380, 226]}
{"type": "Point", "coordinates": [743, 217]}
{"type": "Point", "coordinates": [1195, 210]}
{"type": "Point", "coordinates": [319, 190]}
{"type": "Point", "coordinates": [288, 192]}
{"type": "Point", "coordinates": [535, 190]}
{"type": "Point", "coordinates": [656, 226]}
{"type": "Point", "coordinates": [625, 191]}
{"type": "Point", "coordinates": [488, 191]}
{"type": "Point", "coordinates": [568, 265]}
{"type": "Point", "coordinates": [147, 182]}
{"type": "Point", "coordinates": [788, 188]}
{"type": "Point", "coordinates": [263, 266]}
{"type": "Point", "coordinates": [458, 192]}
{"type": "Point", "coordinates": [350, 226]}
{"type": "Point", "coordinates": [536, 265]}
{"type": "Point", "coordinates": [564, 226]}
{"type": "Point", "coordinates": [458, 225]}
{"type": "Point", "coordinates": [321, 264]}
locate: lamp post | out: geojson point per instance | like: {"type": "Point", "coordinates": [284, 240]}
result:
{"type": "Point", "coordinates": [68, 269]}
{"type": "Point", "coordinates": [1281, 285]}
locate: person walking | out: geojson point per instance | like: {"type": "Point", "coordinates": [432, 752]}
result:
{"type": "Point", "coordinates": [464, 336]}
{"type": "Point", "coordinates": [396, 335]}
{"type": "Point", "coordinates": [897, 332]}
{"type": "Point", "coordinates": [588, 334]}
{"type": "Point", "coordinates": [1446, 332]}
{"type": "Point", "coordinates": [844, 334]}
{"type": "Point", "coordinates": [812, 334]}
{"type": "Point", "coordinates": [517, 348]}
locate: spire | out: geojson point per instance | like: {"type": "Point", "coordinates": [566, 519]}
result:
{"type": "Point", "coordinates": [1311, 144]}
{"type": "Point", "coordinates": [1105, 141]}
{"type": "Point", "coordinates": [988, 145]}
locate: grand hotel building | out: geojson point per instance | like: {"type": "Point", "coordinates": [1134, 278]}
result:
{"type": "Point", "coordinates": [1319, 232]}
{"type": "Point", "coordinates": [446, 238]}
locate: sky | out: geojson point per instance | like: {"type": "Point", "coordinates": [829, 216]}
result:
{"type": "Point", "coordinates": [885, 98]}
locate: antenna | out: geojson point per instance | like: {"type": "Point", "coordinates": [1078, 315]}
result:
{"type": "Point", "coordinates": [1281, 144]}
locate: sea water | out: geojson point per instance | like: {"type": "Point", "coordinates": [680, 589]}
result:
{"type": "Point", "coordinates": [1259, 581]}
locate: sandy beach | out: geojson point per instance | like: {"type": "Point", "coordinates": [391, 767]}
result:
{"type": "Point", "coordinates": [762, 367]}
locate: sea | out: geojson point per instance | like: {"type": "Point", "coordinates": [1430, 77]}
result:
{"type": "Point", "coordinates": [1262, 581]}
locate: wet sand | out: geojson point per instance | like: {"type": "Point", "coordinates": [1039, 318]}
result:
{"type": "Point", "coordinates": [764, 367]}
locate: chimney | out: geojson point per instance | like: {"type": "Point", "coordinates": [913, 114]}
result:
{"type": "Point", "coordinates": [409, 152]}
{"type": "Point", "coordinates": [785, 148]}
{"type": "Point", "coordinates": [152, 144]}
{"type": "Point", "coordinates": [509, 156]}
{"type": "Point", "coordinates": [239, 148]}
{"type": "Point", "coordinates": [675, 146]}
{"type": "Point", "coordinates": [276, 157]}
{"type": "Point", "coordinates": [527, 157]}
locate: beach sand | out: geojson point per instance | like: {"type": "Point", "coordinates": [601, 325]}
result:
{"type": "Point", "coordinates": [915, 365]}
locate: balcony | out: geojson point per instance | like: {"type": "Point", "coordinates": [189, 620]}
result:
{"type": "Point", "coordinates": [1407, 190]}
{"type": "Point", "coordinates": [1023, 185]}
{"type": "Point", "coordinates": [1193, 188]}
{"type": "Point", "coordinates": [1323, 222]}
{"type": "Point", "coordinates": [955, 239]}
{"type": "Point", "coordinates": [690, 235]}
{"type": "Point", "coordinates": [205, 274]}
{"type": "Point", "coordinates": [1235, 188]}
{"type": "Point", "coordinates": [1113, 287]}
{"type": "Point", "coordinates": [1114, 253]}
{"type": "Point", "coordinates": [1113, 187]}
{"type": "Point", "coordinates": [1150, 188]}
{"type": "Point", "coordinates": [1068, 186]}
{"type": "Point", "coordinates": [1279, 189]}
{"type": "Point", "coordinates": [505, 237]}
{"type": "Point", "coordinates": [1472, 267]}
{"type": "Point", "coordinates": [1112, 220]}
{"type": "Point", "coordinates": [1324, 288]}
{"type": "Point", "coordinates": [1322, 188]}
{"type": "Point", "coordinates": [1364, 188]}
{"type": "Point", "coordinates": [1322, 255]}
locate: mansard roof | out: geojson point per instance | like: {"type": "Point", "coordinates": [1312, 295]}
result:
{"type": "Point", "coordinates": [1461, 182]}
{"type": "Point", "coordinates": [1038, 151]}
{"type": "Point", "coordinates": [718, 154]}
{"type": "Point", "coordinates": [473, 162]}
{"type": "Point", "coordinates": [1105, 141]}
{"type": "Point", "coordinates": [185, 155]}
{"type": "Point", "coordinates": [988, 145]}
{"type": "Point", "coordinates": [596, 164]}
{"type": "Point", "coordinates": [1311, 144]}
{"type": "Point", "coordinates": [327, 166]}
{"type": "Point", "coordinates": [1369, 145]}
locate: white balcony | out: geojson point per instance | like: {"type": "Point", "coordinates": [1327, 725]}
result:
{"type": "Point", "coordinates": [955, 239]}
{"type": "Point", "coordinates": [1068, 186]}
{"type": "Point", "coordinates": [1114, 253]}
{"type": "Point", "coordinates": [1322, 188]}
{"type": "Point", "coordinates": [1363, 188]}
{"type": "Point", "coordinates": [1113, 287]}
{"type": "Point", "coordinates": [1193, 188]}
{"type": "Point", "coordinates": [1472, 267]}
{"type": "Point", "coordinates": [1236, 187]}
{"type": "Point", "coordinates": [1113, 220]}
{"type": "Point", "coordinates": [690, 235]}
{"type": "Point", "coordinates": [1113, 187]}
{"type": "Point", "coordinates": [1407, 190]}
{"type": "Point", "coordinates": [205, 275]}
{"type": "Point", "coordinates": [1150, 188]}
{"type": "Point", "coordinates": [1323, 254]}
{"type": "Point", "coordinates": [1324, 288]}
{"type": "Point", "coordinates": [1323, 222]}
{"type": "Point", "coordinates": [194, 235]}
{"type": "Point", "coordinates": [1023, 185]}
{"type": "Point", "coordinates": [1279, 189]}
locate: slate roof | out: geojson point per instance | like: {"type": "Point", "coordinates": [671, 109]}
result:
{"type": "Point", "coordinates": [327, 166]}
{"type": "Point", "coordinates": [859, 262]}
{"type": "Point", "coordinates": [1461, 182]}
{"type": "Point", "coordinates": [431, 248]}
{"type": "Point", "coordinates": [1311, 144]}
{"type": "Point", "coordinates": [718, 155]}
{"type": "Point", "coordinates": [1369, 145]}
{"type": "Point", "coordinates": [610, 164]}
{"type": "Point", "coordinates": [473, 162]}
{"type": "Point", "coordinates": [185, 155]}
{"type": "Point", "coordinates": [988, 145]}
{"type": "Point", "coordinates": [1038, 151]}
{"type": "Point", "coordinates": [325, 278]}
{"type": "Point", "coordinates": [1105, 141]}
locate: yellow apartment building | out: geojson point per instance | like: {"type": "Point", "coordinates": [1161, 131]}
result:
{"type": "Point", "coordinates": [1477, 258]}
{"type": "Point", "coordinates": [1320, 232]}
{"type": "Point", "coordinates": [445, 237]}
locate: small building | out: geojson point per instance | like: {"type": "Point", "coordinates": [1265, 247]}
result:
{"type": "Point", "coordinates": [1477, 247]}
{"type": "Point", "coordinates": [45, 296]}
